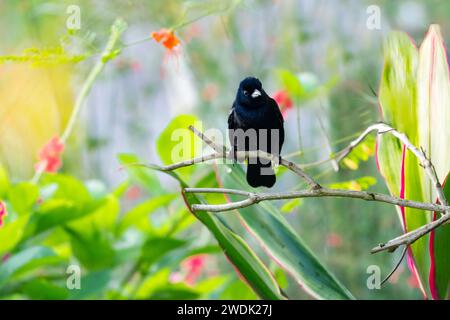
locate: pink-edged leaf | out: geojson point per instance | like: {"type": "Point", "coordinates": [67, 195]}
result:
{"type": "Point", "coordinates": [433, 99]}
{"type": "Point", "coordinates": [418, 246]}
{"type": "Point", "coordinates": [439, 279]}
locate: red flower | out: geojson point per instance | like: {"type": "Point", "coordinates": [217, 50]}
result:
{"type": "Point", "coordinates": [284, 101]}
{"type": "Point", "coordinates": [3, 212]}
{"type": "Point", "coordinates": [167, 38]}
{"type": "Point", "coordinates": [194, 266]}
{"type": "Point", "coordinates": [50, 156]}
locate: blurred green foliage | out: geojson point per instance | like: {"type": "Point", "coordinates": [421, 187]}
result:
{"type": "Point", "coordinates": [131, 233]}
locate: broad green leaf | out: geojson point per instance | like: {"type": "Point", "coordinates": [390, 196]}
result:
{"type": "Point", "coordinates": [11, 233]}
{"type": "Point", "coordinates": [174, 291]}
{"type": "Point", "coordinates": [144, 178]}
{"type": "Point", "coordinates": [20, 260]}
{"type": "Point", "coordinates": [152, 282]}
{"type": "Point", "coordinates": [140, 214]}
{"type": "Point", "coordinates": [397, 101]}
{"type": "Point", "coordinates": [283, 244]}
{"type": "Point", "coordinates": [67, 187]}
{"type": "Point", "coordinates": [102, 216]}
{"type": "Point", "coordinates": [290, 205]}
{"type": "Point", "coordinates": [362, 183]}
{"type": "Point", "coordinates": [23, 196]}
{"type": "Point", "coordinates": [156, 247]}
{"type": "Point", "coordinates": [93, 285]}
{"type": "Point", "coordinates": [399, 167]}
{"type": "Point", "coordinates": [439, 280]}
{"type": "Point", "coordinates": [177, 143]}
{"type": "Point", "coordinates": [238, 252]}
{"type": "Point", "coordinates": [57, 212]}
{"type": "Point", "coordinates": [93, 249]}
{"type": "Point", "coordinates": [290, 82]}
{"type": "Point", "coordinates": [40, 289]}
{"type": "Point", "coordinates": [434, 105]}
{"type": "Point", "coordinates": [4, 182]}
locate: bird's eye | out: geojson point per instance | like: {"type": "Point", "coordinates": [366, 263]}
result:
{"type": "Point", "coordinates": [246, 92]}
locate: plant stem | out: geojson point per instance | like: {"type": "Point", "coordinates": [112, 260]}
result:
{"type": "Point", "coordinates": [118, 27]}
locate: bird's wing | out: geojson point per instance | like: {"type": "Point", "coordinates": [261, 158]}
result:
{"type": "Point", "coordinates": [231, 125]}
{"type": "Point", "coordinates": [278, 118]}
{"type": "Point", "coordinates": [231, 118]}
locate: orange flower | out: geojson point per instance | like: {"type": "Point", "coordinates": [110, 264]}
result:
{"type": "Point", "coordinates": [284, 101]}
{"type": "Point", "coordinates": [3, 212]}
{"type": "Point", "coordinates": [50, 156]}
{"type": "Point", "coordinates": [167, 38]}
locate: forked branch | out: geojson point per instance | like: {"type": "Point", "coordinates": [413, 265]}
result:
{"type": "Point", "coordinates": [315, 190]}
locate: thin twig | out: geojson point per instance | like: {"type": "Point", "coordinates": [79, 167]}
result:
{"type": "Point", "coordinates": [396, 265]}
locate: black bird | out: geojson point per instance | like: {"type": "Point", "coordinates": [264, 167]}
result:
{"type": "Point", "coordinates": [261, 124]}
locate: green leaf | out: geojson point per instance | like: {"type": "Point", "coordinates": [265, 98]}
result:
{"type": "Point", "coordinates": [152, 282]}
{"type": "Point", "coordinates": [439, 279]}
{"type": "Point", "coordinates": [139, 215]}
{"type": "Point", "coordinates": [4, 182]}
{"type": "Point", "coordinates": [283, 244]}
{"type": "Point", "coordinates": [238, 252]}
{"type": "Point", "coordinates": [57, 212]}
{"type": "Point", "coordinates": [23, 196]}
{"type": "Point", "coordinates": [156, 247]}
{"type": "Point", "coordinates": [291, 205]}
{"type": "Point", "coordinates": [176, 291]}
{"type": "Point", "coordinates": [290, 82]}
{"type": "Point", "coordinates": [362, 183]}
{"type": "Point", "coordinates": [11, 233]}
{"type": "Point", "coordinates": [399, 167]}
{"type": "Point", "coordinates": [434, 104]}
{"type": "Point", "coordinates": [40, 289]}
{"type": "Point", "coordinates": [140, 175]}
{"type": "Point", "coordinates": [20, 260]}
{"type": "Point", "coordinates": [93, 249]}
{"type": "Point", "coordinates": [93, 285]}
{"type": "Point", "coordinates": [67, 188]}
{"type": "Point", "coordinates": [177, 143]}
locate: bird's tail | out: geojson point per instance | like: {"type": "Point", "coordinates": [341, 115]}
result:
{"type": "Point", "coordinates": [260, 175]}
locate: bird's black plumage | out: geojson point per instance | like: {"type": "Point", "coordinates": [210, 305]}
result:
{"type": "Point", "coordinates": [256, 123]}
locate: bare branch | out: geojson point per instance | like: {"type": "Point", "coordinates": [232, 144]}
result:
{"type": "Point", "coordinates": [317, 191]}
{"type": "Point", "coordinates": [382, 128]}
{"type": "Point", "coordinates": [253, 198]}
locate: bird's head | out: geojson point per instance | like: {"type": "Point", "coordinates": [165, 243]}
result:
{"type": "Point", "coordinates": [250, 92]}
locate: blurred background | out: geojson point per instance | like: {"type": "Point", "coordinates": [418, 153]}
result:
{"type": "Point", "coordinates": [326, 44]}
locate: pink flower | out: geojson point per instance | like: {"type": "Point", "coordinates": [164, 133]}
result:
{"type": "Point", "coordinates": [284, 101]}
{"type": "Point", "coordinates": [133, 193]}
{"type": "Point", "coordinates": [50, 156]}
{"type": "Point", "coordinates": [413, 282]}
{"type": "Point", "coordinates": [194, 267]}
{"type": "Point", "coordinates": [3, 212]}
{"type": "Point", "coordinates": [334, 240]}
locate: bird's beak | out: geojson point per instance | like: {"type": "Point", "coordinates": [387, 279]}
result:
{"type": "Point", "coordinates": [256, 93]}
